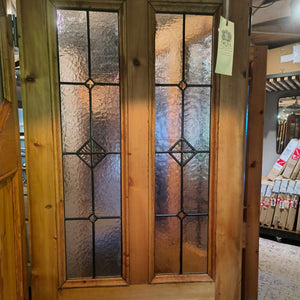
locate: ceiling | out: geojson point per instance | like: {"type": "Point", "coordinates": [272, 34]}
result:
{"type": "Point", "coordinates": [273, 23]}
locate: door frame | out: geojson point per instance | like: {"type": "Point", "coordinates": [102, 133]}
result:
{"type": "Point", "coordinates": [41, 142]}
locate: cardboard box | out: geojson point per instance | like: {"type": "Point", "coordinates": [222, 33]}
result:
{"type": "Point", "coordinates": [281, 162]}
{"type": "Point", "coordinates": [291, 163]}
{"type": "Point", "coordinates": [274, 60]}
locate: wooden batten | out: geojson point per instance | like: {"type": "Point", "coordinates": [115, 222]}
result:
{"type": "Point", "coordinates": [258, 56]}
{"type": "Point", "coordinates": [230, 161]}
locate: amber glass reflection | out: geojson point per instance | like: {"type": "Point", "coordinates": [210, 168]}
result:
{"type": "Point", "coordinates": [182, 142]}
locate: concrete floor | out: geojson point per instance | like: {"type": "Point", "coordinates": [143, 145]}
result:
{"type": "Point", "coordinates": [279, 271]}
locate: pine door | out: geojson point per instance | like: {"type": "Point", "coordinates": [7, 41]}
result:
{"type": "Point", "coordinates": [135, 149]}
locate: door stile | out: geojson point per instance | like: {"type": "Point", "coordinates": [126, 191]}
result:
{"type": "Point", "coordinates": [230, 164]}
{"type": "Point", "coordinates": [37, 90]}
{"type": "Point", "coordinates": [138, 144]}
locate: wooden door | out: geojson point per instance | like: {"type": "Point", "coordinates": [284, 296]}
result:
{"type": "Point", "coordinates": [135, 247]}
{"type": "Point", "coordinates": [13, 269]}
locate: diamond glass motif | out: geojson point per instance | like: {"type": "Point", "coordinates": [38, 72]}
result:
{"type": "Point", "coordinates": [92, 218]}
{"type": "Point", "coordinates": [91, 153]}
{"type": "Point", "coordinates": [182, 85]}
{"type": "Point", "coordinates": [187, 152]}
{"type": "Point", "coordinates": [181, 215]}
{"type": "Point", "coordinates": [89, 83]}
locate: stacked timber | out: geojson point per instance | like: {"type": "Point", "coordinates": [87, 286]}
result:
{"type": "Point", "coordinates": [280, 192]}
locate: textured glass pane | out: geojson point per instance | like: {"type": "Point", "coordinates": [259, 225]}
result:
{"type": "Point", "coordinates": [77, 187]}
{"type": "Point", "coordinates": [167, 185]}
{"type": "Point", "coordinates": [194, 247]}
{"type": "Point", "coordinates": [107, 178]}
{"type": "Point", "coordinates": [197, 117]}
{"type": "Point", "coordinates": [167, 245]}
{"type": "Point", "coordinates": [108, 247]}
{"type": "Point", "coordinates": [72, 45]}
{"type": "Point", "coordinates": [198, 49]}
{"type": "Point", "coordinates": [168, 48]}
{"type": "Point", "coordinates": [79, 249]}
{"type": "Point", "coordinates": [104, 37]}
{"type": "Point", "coordinates": [106, 117]}
{"type": "Point", "coordinates": [75, 113]}
{"type": "Point", "coordinates": [195, 184]}
{"type": "Point", "coordinates": [167, 117]}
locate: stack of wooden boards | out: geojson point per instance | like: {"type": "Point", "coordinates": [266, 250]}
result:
{"type": "Point", "coordinates": [280, 191]}
{"type": "Point", "coordinates": [280, 204]}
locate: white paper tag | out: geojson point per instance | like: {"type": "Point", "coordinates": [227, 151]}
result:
{"type": "Point", "coordinates": [225, 48]}
{"type": "Point", "coordinates": [290, 188]}
{"type": "Point", "coordinates": [283, 186]}
{"type": "Point", "coordinates": [297, 188]}
{"type": "Point", "coordinates": [276, 186]}
{"type": "Point", "coordinates": [269, 191]}
{"type": "Point", "coordinates": [263, 189]}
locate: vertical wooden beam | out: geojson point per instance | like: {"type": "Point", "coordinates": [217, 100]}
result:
{"type": "Point", "coordinates": [230, 165]}
{"type": "Point", "coordinates": [36, 95]}
{"type": "Point", "coordinates": [138, 141]}
{"type": "Point", "coordinates": [256, 107]}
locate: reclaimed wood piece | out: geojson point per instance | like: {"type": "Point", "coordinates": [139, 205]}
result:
{"type": "Point", "coordinates": [257, 94]}
{"type": "Point", "coordinates": [270, 210]}
{"type": "Point", "coordinates": [284, 212]}
{"type": "Point", "coordinates": [292, 213]}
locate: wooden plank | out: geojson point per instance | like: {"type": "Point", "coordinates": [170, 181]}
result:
{"type": "Point", "coordinates": [8, 283]}
{"type": "Point", "coordinates": [257, 94]}
{"type": "Point", "coordinates": [191, 291]}
{"type": "Point", "coordinates": [36, 95]}
{"type": "Point", "coordinates": [138, 139]}
{"type": "Point", "coordinates": [230, 161]}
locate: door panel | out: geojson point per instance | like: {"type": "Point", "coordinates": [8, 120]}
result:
{"type": "Point", "coordinates": [57, 229]}
{"type": "Point", "coordinates": [13, 269]}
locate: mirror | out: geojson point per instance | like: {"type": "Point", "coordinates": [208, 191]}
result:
{"type": "Point", "coordinates": [288, 121]}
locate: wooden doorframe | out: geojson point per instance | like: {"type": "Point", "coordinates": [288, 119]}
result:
{"type": "Point", "coordinates": [256, 108]}
{"type": "Point", "coordinates": [13, 257]}
{"type": "Point", "coordinates": [40, 142]}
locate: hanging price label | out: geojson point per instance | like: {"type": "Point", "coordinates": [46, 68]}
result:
{"type": "Point", "coordinates": [225, 47]}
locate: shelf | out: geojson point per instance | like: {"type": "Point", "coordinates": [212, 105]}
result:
{"type": "Point", "coordinates": [289, 235]}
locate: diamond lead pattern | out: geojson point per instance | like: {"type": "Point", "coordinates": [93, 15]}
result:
{"type": "Point", "coordinates": [182, 152]}
{"type": "Point", "coordinates": [91, 153]}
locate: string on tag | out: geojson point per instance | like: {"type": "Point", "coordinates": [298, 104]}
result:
{"type": "Point", "coordinates": [227, 12]}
